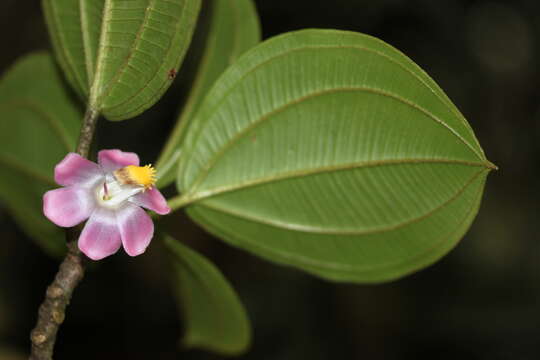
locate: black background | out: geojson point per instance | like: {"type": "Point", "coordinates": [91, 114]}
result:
{"type": "Point", "coordinates": [479, 302]}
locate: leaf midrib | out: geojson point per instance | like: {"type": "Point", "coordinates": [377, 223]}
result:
{"type": "Point", "coordinates": [246, 130]}
{"type": "Point", "coordinates": [335, 231]}
{"type": "Point", "coordinates": [105, 89]}
{"type": "Point", "coordinates": [202, 195]}
{"type": "Point", "coordinates": [95, 89]}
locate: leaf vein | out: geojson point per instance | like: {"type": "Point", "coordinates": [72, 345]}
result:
{"type": "Point", "coordinates": [163, 85]}
{"type": "Point", "coordinates": [337, 231]}
{"type": "Point", "coordinates": [334, 266]}
{"type": "Point", "coordinates": [54, 124]}
{"type": "Point", "coordinates": [21, 168]}
{"type": "Point", "coordinates": [198, 196]}
{"type": "Point", "coordinates": [300, 49]}
{"type": "Point", "coordinates": [63, 49]}
{"type": "Point", "coordinates": [133, 47]}
{"type": "Point", "coordinates": [241, 134]}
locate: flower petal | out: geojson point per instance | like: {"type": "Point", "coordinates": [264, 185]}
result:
{"type": "Point", "coordinates": [153, 200]}
{"type": "Point", "coordinates": [100, 236]}
{"type": "Point", "coordinates": [68, 206]}
{"type": "Point", "coordinates": [114, 159]}
{"type": "Point", "coordinates": [136, 229]}
{"type": "Point", "coordinates": [76, 170]}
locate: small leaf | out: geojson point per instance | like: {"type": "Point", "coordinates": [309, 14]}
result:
{"type": "Point", "coordinates": [39, 125]}
{"type": "Point", "coordinates": [333, 152]}
{"type": "Point", "coordinates": [119, 54]}
{"type": "Point", "coordinates": [214, 317]}
{"type": "Point", "coordinates": [234, 28]}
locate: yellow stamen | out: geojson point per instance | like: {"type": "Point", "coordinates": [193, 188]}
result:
{"type": "Point", "coordinates": [137, 175]}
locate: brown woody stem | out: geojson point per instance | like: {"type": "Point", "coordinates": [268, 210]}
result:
{"type": "Point", "coordinates": [52, 310]}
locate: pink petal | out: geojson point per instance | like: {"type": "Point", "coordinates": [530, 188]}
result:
{"type": "Point", "coordinates": [76, 170]}
{"type": "Point", "coordinates": [68, 206]}
{"type": "Point", "coordinates": [114, 159]}
{"type": "Point", "coordinates": [100, 236]}
{"type": "Point", "coordinates": [136, 229]}
{"type": "Point", "coordinates": [153, 200]}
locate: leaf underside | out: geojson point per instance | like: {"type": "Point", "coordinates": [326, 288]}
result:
{"type": "Point", "coordinates": [40, 124]}
{"type": "Point", "coordinates": [119, 54]}
{"type": "Point", "coordinates": [234, 28]}
{"type": "Point", "coordinates": [333, 152]}
{"type": "Point", "coordinates": [214, 317]}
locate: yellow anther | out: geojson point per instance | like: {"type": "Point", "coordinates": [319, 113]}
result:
{"type": "Point", "coordinates": [137, 175]}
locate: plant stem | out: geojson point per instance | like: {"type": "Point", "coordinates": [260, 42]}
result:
{"type": "Point", "coordinates": [52, 310]}
{"type": "Point", "coordinates": [87, 132]}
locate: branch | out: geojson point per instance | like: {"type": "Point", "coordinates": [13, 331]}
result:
{"type": "Point", "coordinates": [52, 310]}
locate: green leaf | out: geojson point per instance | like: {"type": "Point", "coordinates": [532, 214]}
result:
{"type": "Point", "coordinates": [40, 124]}
{"type": "Point", "coordinates": [333, 152]}
{"type": "Point", "coordinates": [214, 317]}
{"type": "Point", "coordinates": [234, 28]}
{"type": "Point", "coordinates": [119, 54]}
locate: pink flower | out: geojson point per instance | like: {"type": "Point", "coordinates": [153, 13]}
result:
{"type": "Point", "coordinates": [109, 194]}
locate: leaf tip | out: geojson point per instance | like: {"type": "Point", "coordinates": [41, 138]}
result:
{"type": "Point", "coordinates": [491, 166]}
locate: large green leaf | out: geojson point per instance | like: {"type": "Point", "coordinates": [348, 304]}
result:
{"type": "Point", "coordinates": [39, 125]}
{"type": "Point", "coordinates": [214, 317]}
{"type": "Point", "coordinates": [234, 28]}
{"type": "Point", "coordinates": [119, 54]}
{"type": "Point", "coordinates": [333, 152]}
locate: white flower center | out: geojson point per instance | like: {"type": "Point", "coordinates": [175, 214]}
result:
{"type": "Point", "coordinates": [112, 194]}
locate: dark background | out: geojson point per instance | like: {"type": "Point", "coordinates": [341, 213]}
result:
{"type": "Point", "coordinates": [479, 302]}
